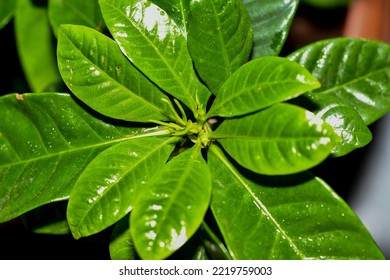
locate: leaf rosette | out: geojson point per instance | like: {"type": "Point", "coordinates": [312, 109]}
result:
{"type": "Point", "coordinates": [173, 118]}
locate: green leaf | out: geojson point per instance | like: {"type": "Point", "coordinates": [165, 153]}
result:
{"type": "Point", "coordinates": [292, 217]}
{"type": "Point", "coordinates": [260, 83]}
{"type": "Point", "coordinates": [46, 141]}
{"type": "Point", "coordinates": [271, 21]}
{"type": "Point", "coordinates": [178, 10]}
{"type": "Point", "coordinates": [156, 46]}
{"type": "Point", "coordinates": [282, 139]}
{"type": "Point", "coordinates": [356, 71]}
{"type": "Point", "coordinates": [7, 8]}
{"type": "Point", "coordinates": [47, 219]}
{"type": "Point", "coordinates": [219, 39]}
{"type": "Point", "coordinates": [171, 209]}
{"type": "Point", "coordinates": [213, 244]}
{"type": "Point", "coordinates": [108, 187]}
{"type": "Point", "coordinates": [96, 71]}
{"type": "Point", "coordinates": [85, 13]}
{"type": "Point", "coordinates": [121, 243]}
{"type": "Point", "coordinates": [35, 46]}
{"type": "Point", "coordinates": [200, 254]}
{"type": "Point", "coordinates": [346, 122]}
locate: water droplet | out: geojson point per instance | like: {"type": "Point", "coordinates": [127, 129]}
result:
{"type": "Point", "coordinates": [155, 207]}
{"type": "Point", "coordinates": [101, 190]}
{"type": "Point", "coordinates": [134, 154]}
{"type": "Point", "coordinates": [151, 235]}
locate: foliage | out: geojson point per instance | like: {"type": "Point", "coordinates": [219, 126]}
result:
{"type": "Point", "coordinates": [189, 135]}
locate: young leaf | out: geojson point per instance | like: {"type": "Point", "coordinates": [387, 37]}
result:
{"type": "Point", "coordinates": [178, 10]}
{"type": "Point", "coordinates": [96, 71]}
{"type": "Point", "coordinates": [35, 46]}
{"type": "Point", "coordinates": [85, 13]}
{"type": "Point", "coordinates": [260, 83]}
{"type": "Point", "coordinates": [344, 119]}
{"type": "Point", "coordinates": [219, 39]}
{"type": "Point", "coordinates": [271, 21]}
{"type": "Point", "coordinates": [108, 187]}
{"type": "Point", "coordinates": [171, 209]}
{"type": "Point", "coordinates": [293, 217]}
{"type": "Point", "coordinates": [356, 71]}
{"type": "Point", "coordinates": [282, 139]}
{"type": "Point", "coordinates": [156, 46]}
{"type": "Point", "coordinates": [46, 142]}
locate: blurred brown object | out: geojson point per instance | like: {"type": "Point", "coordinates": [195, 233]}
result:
{"type": "Point", "coordinates": [368, 19]}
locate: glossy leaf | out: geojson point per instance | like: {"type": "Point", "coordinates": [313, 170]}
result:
{"type": "Point", "coordinates": [46, 141]}
{"type": "Point", "coordinates": [108, 187]}
{"type": "Point", "coordinates": [219, 39]}
{"type": "Point", "coordinates": [260, 83]}
{"type": "Point", "coordinates": [356, 71]}
{"type": "Point", "coordinates": [193, 249]}
{"type": "Point", "coordinates": [157, 46]}
{"type": "Point", "coordinates": [121, 243]}
{"type": "Point", "coordinates": [171, 209]}
{"type": "Point", "coordinates": [7, 8]}
{"type": "Point", "coordinates": [293, 217]}
{"type": "Point", "coordinates": [271, 21]}
{"type": "Point", "coordinates": [282, 139]}
{"type": "Point", "coordinates": [346, 122]}
{"type": "Point", "coordinates": [35, 46]}
{"type": "Point", "coordinates": [95, 70]}
{"type": "Point", "coordinates": [85, 13]}
{"type": "Point", "coordinates": [178, 10]}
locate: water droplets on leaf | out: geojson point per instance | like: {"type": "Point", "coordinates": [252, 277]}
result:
{"type": "Point", "coordinates": [121, 34]}
{"type": "Point", "coordinates": [151, 17]}
{"type": "Point", "coordinates": [156, 207]}
{"type": "Point", "coordinates": [111, 180]}
{"type": "Point", "coordinates": [363, 98]}
{"type": "Point", "coordinates": [177, 239]}
{"type": "Point", "coordinates": [150, 235]}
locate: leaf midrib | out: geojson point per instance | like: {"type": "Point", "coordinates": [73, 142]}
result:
{"type": "Point", "coordinates": [140, 161]}
{"type": "Point", "coordinates": [182, 85]}
{"type": "Point", "coordinates": [76, 149]}
{"type": "Point", "coordinates": [221, 38]}
{"type": "Point", "coordinates": [355, 80]}
{"type": "Point", "coordinates": [174, 195]}
{"type": "Point", "coordinates": [259, 87]}
{"type": "Point", "coordinates": [133, 95]}
{"type": "Point", "coordinates": [258, 202]}
{"type": "Point", "coordinates": [267, 138]}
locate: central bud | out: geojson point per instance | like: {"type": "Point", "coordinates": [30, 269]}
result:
{"type": "Point", "coordinates": [181, 126]}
